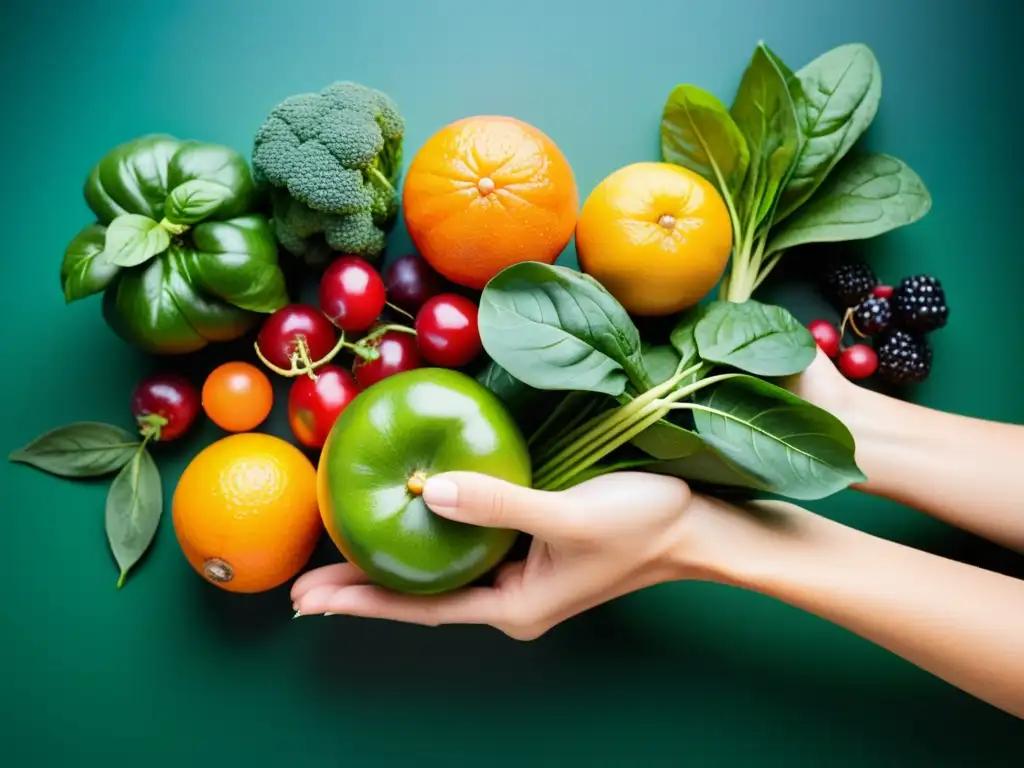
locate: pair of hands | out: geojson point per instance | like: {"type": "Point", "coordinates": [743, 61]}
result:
{"type": "Point", "coordinates": [594, 542]}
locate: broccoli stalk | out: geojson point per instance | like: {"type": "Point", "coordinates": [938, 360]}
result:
{"type": "Point", "coordinates": [332, 161]}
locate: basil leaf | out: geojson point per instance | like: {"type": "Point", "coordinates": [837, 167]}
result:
{"type": "Point", "coordinates": [866, 196]}
{"type": "Point", "coordinates": [836, 98]}
{"type": "Point", "coordinates": [554, 328]}
{"type": "Point", "coordinates": [698, 132]}
{"type": "Point", "coordinates": [82, 449]}
{"type": "Point", "coordinates": [133, 239]}
{"type": "Point", "coordinates": [794, 448]}
{"type": "Point", "coordinates": [708, 466]}
{"type": "Point", "coordinates": [665, 440]}
{"type": "Point", "coordinates": [83, 273]}
{"type": "Point", "coordinates": [660, 361]}
{"type": "Point", "coordinates": [764, 111]}
{"type": "Point", "coordinates": [194, 200]}
{"type": "Point", "coordinates": [762, 339]}
{"type": "Point", "coordinates": [135, 504]}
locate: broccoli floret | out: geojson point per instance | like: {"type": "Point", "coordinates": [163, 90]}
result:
{"type": "Point", "coordinates": [334, 160]}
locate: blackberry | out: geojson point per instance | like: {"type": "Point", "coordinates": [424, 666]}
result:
{"type": "Point", "coordinates": [919, 303]}
{"type": "Point", "coordinates": [872, 316]}
{"type": "Point", "coordinates": [903, 357]}
{"type": "Point", "coordinates": [849, 284]}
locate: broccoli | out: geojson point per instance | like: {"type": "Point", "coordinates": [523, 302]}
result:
{"type": "Point", "coordinates": [332, 161]}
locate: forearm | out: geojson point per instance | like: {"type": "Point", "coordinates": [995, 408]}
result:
{"type": "Point", "coordinates": [961, 623]}
{"type": "Point", "coordinates": [967, 472]}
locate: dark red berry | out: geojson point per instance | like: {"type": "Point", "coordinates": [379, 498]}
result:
{"type": "Point", "coordinates": [858, 361]}
{"type": "Point", "coordinates": [293, 331]}
{"type": "Point", "coordinates": [446, 331]}
{"type": "Point", "coordinates": [882, 291]}
{"type": "Point", "coordinates": [352, 294]}
{"type": "Point", "coordinates": [826, 335]}
{"type": "Point", "coordinates": [410, 281]}
{"type": "Point", "coordinates": [872, 316]}
{"type": "Point", "coordinates": [315, 404]}
{"type": "Point", "coordinates": [920, 305]}
{"type": "Point", "coordinates": [396, 352]}
{"type": "Point", "coordinates": [168, 397]}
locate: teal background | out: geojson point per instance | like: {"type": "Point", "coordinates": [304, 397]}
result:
{"type": "Point", "coordinates": [169, 671]}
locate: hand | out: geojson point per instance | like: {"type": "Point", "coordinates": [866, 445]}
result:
{"type": "Point", "coordinates": [592, 543]}
{"type": "Point", "coordinates": [823, 385]}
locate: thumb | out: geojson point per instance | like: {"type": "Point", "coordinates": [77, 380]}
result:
{"type": "Point", "coordinates": [479, 499]}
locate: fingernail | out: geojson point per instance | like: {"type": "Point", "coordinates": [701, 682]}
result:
{"type": "Point", "coordinates": [441, 492]}
{"type": "Point", "coordinates": [297, 614]}
{"type": "Point", "coordinates": [328, 613]}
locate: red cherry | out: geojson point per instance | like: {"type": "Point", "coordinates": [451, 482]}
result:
{"type": "Point", "coordinates": [314, 405]}
{"type": "Point", "coordinates": [166, 396]}
{"type": "Point", "coordinates": [352, 294]}
{"type": "Point", "coordinates": [882, 291]}
{"type": "Point", "coordinates": [396, 353]}
{"type": "Point", "coordinates": [410, 281]}
{"type": "Point", "coordinates": [446, 331]}
{"type": "Point", "coordinates": [827, 336]}
{"type": "Point", "coordinates": [291, 328]}
{"type": "Point", "coordinates": [858, 361]}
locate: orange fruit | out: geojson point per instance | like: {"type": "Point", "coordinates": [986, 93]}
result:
{"type": "Point", "coordinates": [656, 235]}
{"type": "Point", "coordinates": [486, 192]}
{"type": "Point", "coordinates": [237, 396]}
{"type": "Point", "coordinates": [245, 512]}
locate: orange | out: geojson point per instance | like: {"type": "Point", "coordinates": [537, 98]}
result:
{"type": "Point", "coordinates": [656, 235]}
{"type": "Point", "coordinates": [245, 512]}
{"type": "Point", "coordinates": [486, 192]}
{"type": "Point", "coordinates": [237, 396]}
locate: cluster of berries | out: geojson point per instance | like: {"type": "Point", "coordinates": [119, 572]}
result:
{"type": "Point", "coordinates": [895, 319]}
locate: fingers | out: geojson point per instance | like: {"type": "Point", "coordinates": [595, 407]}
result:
{"type": "Point", "coordinates": [479, 499]}
{"type": "Point", "coordinates": [475, 605]}
{"type": "Point", "coordinates": [340, 575]}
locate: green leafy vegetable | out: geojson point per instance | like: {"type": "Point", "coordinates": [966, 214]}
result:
{"type": "Point", "coordinates": [660, 362]}
{"type": "Point", "coordinates": [194, 200]}
{"type": "Point", "coordinates": [134, 507]}
{"type": "Point", "coordinates": [554, 328]}
{"type": "Point", "coordinates": [132, 239]}
{"type": "Point", "coordinates": [762, 339]}
{"type": "Point", "coordinates": [82, 449]}
{"type": "Point", "coordinates": [706, 465]}
{"type": "Point", "coordinates": [83, 272]}
{"type": "Point", "coordinates": [665, 440]}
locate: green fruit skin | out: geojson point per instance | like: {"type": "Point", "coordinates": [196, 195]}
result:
{"type": "Point", "coordinates": [429, 420]}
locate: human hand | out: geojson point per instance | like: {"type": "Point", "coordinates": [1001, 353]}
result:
{"type": "Point", "coordinates": [594, 542]}
{"type": "Point", "coordinates": [823, 385]}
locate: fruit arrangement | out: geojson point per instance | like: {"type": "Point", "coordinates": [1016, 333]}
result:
{"type": "Point", "coordinates": [894, 323]}
{"type": "Point", "coordinates": [477, 352]}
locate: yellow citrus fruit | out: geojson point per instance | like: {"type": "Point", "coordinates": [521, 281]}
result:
{"type": "Point", "coordinates": [245, 512]}
{"type": "Point", "coordinates": [656, 235]}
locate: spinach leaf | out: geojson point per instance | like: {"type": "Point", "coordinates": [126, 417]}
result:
{"type": "Point", "coordinates": [554, 328]}
{"type": "Point", "coordinates": [528, 406]}
{"type": "Point", "coordinates": [836, 98]}
{"type": "Point", "coordinates": [665, 440]}
{"type": "Point", "coordinates": [660, 361]}
{"type": "Point", "coordinates": [794, 448]}
{"type": "Point", "coordinates": [682, 336]}
{"type": "Point", "coordinates": [133, 239]}
{"type": "Point", "coordinates": [84, 270]}
{"type": "Point", "coordinates": [82, 449]}
{"type": "Point", "coordinates": [706, 465]}
{"type": "Point", "coordinates": [194, 200]}
{"type": "Point", "coordinates": [134, 506]}
{"type": "Point", "coordinates": [762, 339]}
{"type": "Point", "coordinates": [866, 196]}
{"type": "Point", "coordinates": [698, 132]}
{"type": "Point", "coordinates": [763, 109]}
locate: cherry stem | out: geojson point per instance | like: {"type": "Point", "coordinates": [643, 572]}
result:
{"type": "Point", "coordinates": [300, 361]}
{"type": "Point", "coordinates": [848, 318]}
{"type": "Point", "coordinates": [400, 310]}
{"type": "Point", "coordinates": [150, 427]}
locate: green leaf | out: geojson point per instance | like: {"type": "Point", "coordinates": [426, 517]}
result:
{"type": "Point", "coordinates": [698, 133]}
{"type": "Point", "coordinates": [660, 361]}
{"type": "Point", "coordinates": [133, 239]}
{"type": "Point", "coordinates": [135, 504]}
{"type": "Point", "coordinates": [708, 466]}
{"type": "Point", "coordinates": [554, 328]}
{"type": "Point", "coordinates": [194, 200]}
{"type": "Point", "coordinates": [82, 449]}
{"type": "Point", "coordinates": [866, 196]}
{"type": "Point", "coordinates": [83, 273]}
{"type": "Point", "coordinates": [665, 440]}
{"type": "Point", "coordinates": [763, 109]}
{"type": "Point", "coordinates": [836, 98]}
{"type": "Point", "coordinates": [762, 339]}
{"type": "Point", "coordinates": [683, 340]}
{"type": "Point", "coordinates": [794, 448]}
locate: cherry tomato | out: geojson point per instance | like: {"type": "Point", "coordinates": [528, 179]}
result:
{"type": "Point", "coordinates": [294, 329]}
{"type": "Point", "coordinates": [858, 361]}
{"type": "Point", "coordinates": [237, 396]}
{"type": "Point", "coordinates": [827, 336]}
{"type": "Point", "coordinates": [397, 353]}
{"type": "Point", "coordinates": [314, 406]}
{"type": "Point", "coordinates": [410, 281]}
{"type": "Point", "coordinates": [446, 331]}
{"type": "Point", "coordinates": [170, 397]}
{"type": "Point", "coordinates": [352, 294]}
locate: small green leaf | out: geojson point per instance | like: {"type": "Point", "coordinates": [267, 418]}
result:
{"type": "Point", "coordinates": [866, 196]}
{"type": "Point", "coordinates": [708, 466]}
{"type": "Point", "coordinates": [682, 337]}
{"type": "Point", "coordinates": [82, 449]}
{"type": "Point", "coordinates": [133, 239]}
{"type": "Point", "coordinates": [660, 362]}
{"type": "Point", "coordinates": [83, 272]}
{"type": "Point", "coordinates": [194, 200]}
{"type": "Point", "coordinates": [698, 132]}
{"type": "Point", "coordinates": [762, 339]}
{"type": "Point", "coordinates": [134, 506]}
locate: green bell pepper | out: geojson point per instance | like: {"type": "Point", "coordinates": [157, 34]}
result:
{"type": "Point", "coordinates": [177, 250]}
{"type": "Point", "coordinates": [384, 446]}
